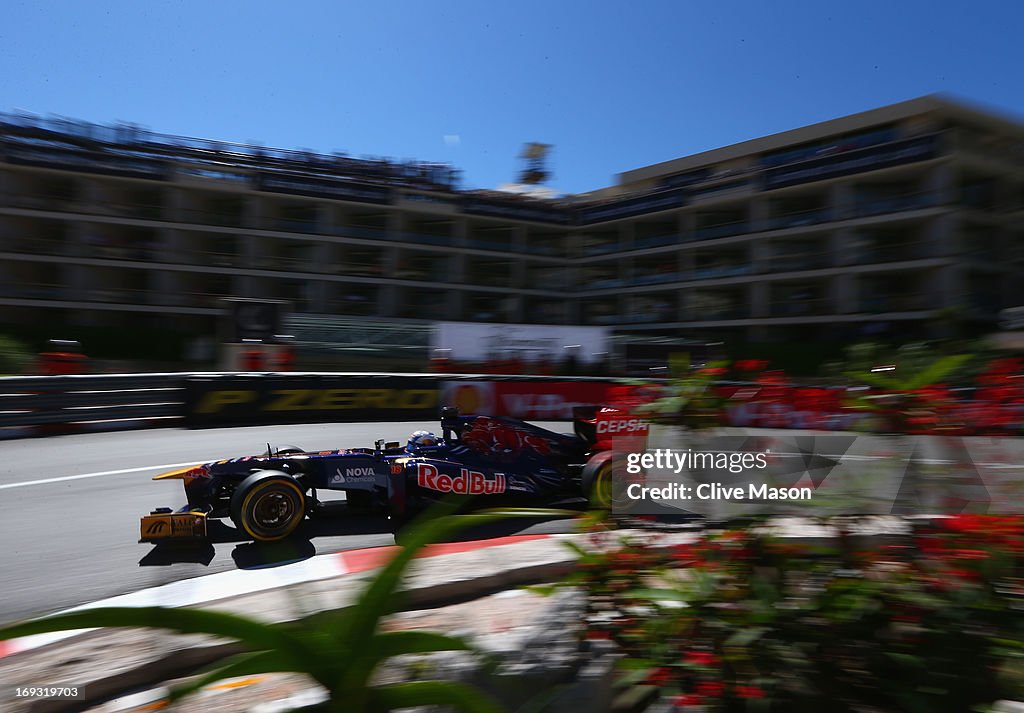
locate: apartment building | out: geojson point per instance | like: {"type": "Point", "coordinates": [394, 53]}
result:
{"type": "Point", "coordinates": [888, 221]}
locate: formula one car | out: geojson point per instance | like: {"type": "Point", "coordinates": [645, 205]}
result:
{"type": "Point", "coordinates": [500, 462]}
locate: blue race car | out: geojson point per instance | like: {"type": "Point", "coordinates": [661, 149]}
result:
{"type": "Point", "coordinates": [498, 461]}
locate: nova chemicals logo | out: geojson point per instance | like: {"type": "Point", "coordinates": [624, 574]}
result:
{"type": "Point", "coordinates": [354, 475]}
{"type": "Point", "coordinates": [467, 482]}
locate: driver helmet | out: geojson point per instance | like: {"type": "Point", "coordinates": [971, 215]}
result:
{"type": "Point", "coordinates": [423, 441]}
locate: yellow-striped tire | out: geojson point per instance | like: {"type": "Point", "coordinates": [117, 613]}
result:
{"type": "Point", "coordinates": [268, 506]}
{"type": "Point", "coordinates": [598, 486]}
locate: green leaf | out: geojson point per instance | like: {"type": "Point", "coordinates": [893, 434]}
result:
{"type": "Point", "coordinates": [882, 381]}
{"type": "Point", "coordinates": [247, 664]}
{"type": "Point", "coordinates": [255, 634]}
{"type": "Point", "coordinates": [655, 595]}
{"type": "Point", "coordinates": [745, 637]}
{"type": "Point", "coordinates": [937, 371]}
{"type": "Point", "coordinates": [381, 597]}
{"type": "Point", "coordinates": [427, 693]}
{"type": "Point", "coordinates": [398, 643]}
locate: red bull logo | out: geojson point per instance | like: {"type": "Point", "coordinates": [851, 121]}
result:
{"type": "Point", "coordinates": [467, 482]}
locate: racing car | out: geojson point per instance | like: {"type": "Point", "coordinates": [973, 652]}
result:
{"type": "Point", "coordinates": [496, 461]}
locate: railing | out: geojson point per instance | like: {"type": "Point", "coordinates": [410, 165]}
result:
{"type": "Point", "coordinates": [655, 241]}
{"type": "Point", "coordinates": [894, 204]}
{"type": "Point", "coordinates": [897, 252]}
{"type": "Point", "coordinates": [35, 291]}
{"type": "Point", "coordinates": [502, 246]}
{"type": "Point", "coordinates": [799, 218]}
{"type": "Point", "coordinates": [719, 271]}
{"type": "Point", "coordinates": [424, 238]}
{"type": "Point", "coordinates": [711, 314]}
{"type": "Point", "coordinates": [894, 303]}
{"type": "Point", "coordinates": [600, 249]}
{"type": "Point", "coordinates": [358, 231]}
{"type": "Point", "coordinates": [352, 307]}
{"type": "Point", "coordinates": [721, 230]}
{"type": "Point", "coordinates": [107, 401]}
{"type": "Point", "coordinates": [798, 261]}
{"type": "Point", "coordinates": [800, 307]}
{"type": "Point", "coordinates": [38, 246]}
{"type": "Point", "coordinates": [603, 284]}
{"type": "Point", "coordinates": [656, 278]}
{"type": "Point", "coordinates": [295, 225]}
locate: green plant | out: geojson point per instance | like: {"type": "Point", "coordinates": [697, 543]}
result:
{"type": "Point", "coordinates": [740, 621]}
{"type": "Point", "coordinates": [340, 650]}
{"type": "Point", "coordinates": [908, 394]}
{"type": "Point", "coordinates": [690, 399]}
{"type": "Point", "coordinates": [15, 357]}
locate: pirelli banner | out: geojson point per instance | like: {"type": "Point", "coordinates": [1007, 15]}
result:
{"type": "Point", "coordinates": [255, 400]}
{"type": "Point", "coordinates": [265, 399]}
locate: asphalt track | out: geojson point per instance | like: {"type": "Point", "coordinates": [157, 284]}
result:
{"type": "Point", "coordinates": [70, 507]}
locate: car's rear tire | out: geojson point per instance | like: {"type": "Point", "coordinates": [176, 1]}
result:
{"type": "Point", "coordinates": [597, 484]}
{"type": "Point", "coordinates": [268, 506]}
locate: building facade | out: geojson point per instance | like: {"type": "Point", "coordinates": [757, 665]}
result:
{"type": "Point", "coordinates": [899, 220]}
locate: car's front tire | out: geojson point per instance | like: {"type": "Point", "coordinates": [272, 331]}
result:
{"type": "Point", "coordinates": [268, 506]}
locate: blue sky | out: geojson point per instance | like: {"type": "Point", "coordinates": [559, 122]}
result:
{"type": "Point", "coordinates": [613, 86]}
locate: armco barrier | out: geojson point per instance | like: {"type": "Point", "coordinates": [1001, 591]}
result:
{"type": "Point", "coordinates": [37, 403]}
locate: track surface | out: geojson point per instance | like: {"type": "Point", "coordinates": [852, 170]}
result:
{"type": "Point", "coordinates": [70, 507]}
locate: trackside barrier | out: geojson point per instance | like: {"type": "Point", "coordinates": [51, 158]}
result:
{"type": "Point", "coordinates": [254, 399]}
{"type": "Point", "coordinates": [39, 403]}
{"type": "Point", "coordinates": [35, 405]}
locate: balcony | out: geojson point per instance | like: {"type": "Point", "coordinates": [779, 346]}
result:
{"type": "Point", "coordinates": [201, 216]}
{"type": "Point", "coordinates": [799, 219]}
{"type": "Point", "coordinates": [713, 314]}
{"type": "Point", "coordinates": [600, 249]}
{"type": "Point", "coordinates": [483, 244]}
{"type": "Point", "coordinates": [38, 246]}
{"type": "Point", "coordinates": [123, 295]}
{"type": "Point", "coordinates": [800, 307]}
{"type": "Point", "coordinates": [655, 241]}
{"type": "Point", "coordinates": [877, 304]}
{"type": "Point", "coordinates": [719, 271]}
{"type": "Point", "coordinates": [36, 291]}
{"type": "Point", "coordinates": [214, 259]}
{"type": "Point", "coordinates": [722, 230]}
{"type": "Point", "coordinates": [892, 252]}
{"type": "Point", "coordinates": [294, 225]}
{"type": "Point", "coordinates": [796, 262]}
{"type": "Point", "coordinates": [352, 307]}
{"type": "Point", "coordinates": [360, 231]}
{"type": "Point", "coordinates": [656, 278]}
{"type": "Point", "coordinates": [604, 283]}
{"type": "Point", "coordinates": [866, 207]}
{"type": "Point", "coordinates": [489, 279]}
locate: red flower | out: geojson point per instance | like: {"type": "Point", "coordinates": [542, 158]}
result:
{"type": "Point", "coordinates": [687, 699]}
{"type": "Point", "coordinates": [659, 676]}
{"type": "Point", "coordinates": [749, 692]}
{"type": "Point", "coordinates": [700, 658]}
{"type": "Point", "coordinates": [710, 689]}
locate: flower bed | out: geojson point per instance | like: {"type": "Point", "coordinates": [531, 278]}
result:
{"type": "Point", "coordinates": [741, 621]}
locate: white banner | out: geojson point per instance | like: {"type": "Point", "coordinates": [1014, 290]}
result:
{"type": "Point", "coordinates": [471, 341]}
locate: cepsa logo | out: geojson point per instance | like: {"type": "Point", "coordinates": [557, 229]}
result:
{"type": "Point", "coordinates": [467, 482]}
{"type": "Point", "coordinates": [622, 425]}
